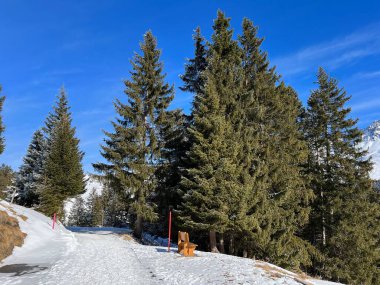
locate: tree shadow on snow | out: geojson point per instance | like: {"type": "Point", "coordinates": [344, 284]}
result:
{"type": "Point", "coordinates": [21, 269]}
{"type": "Point", "coordinates": [162, 249]}
{"type": "Point", "coordinates": [99, 230]}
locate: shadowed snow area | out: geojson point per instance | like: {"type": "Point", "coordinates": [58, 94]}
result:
{"type": "Point", "coordinates": [103, 256]}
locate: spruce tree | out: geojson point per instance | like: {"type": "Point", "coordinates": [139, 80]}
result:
{"type": "Point", "coordinates": [7, 176]}
{"type": "Point", "coordinates": [115, 208]}
{"type": "Point", "coordinates": [29, 179]}
{"type": "Point", "coordinates": [63, 173]}
{"type": "Point", "coordinates": [211, 181]}
{"type": "Point", "coordinates": [344, 223]}
{"type": "Point", "coordinates": [274, 200]}
{"type": "Point", "coordinates": [175, 144]}
{"type": "Point", "coordinates": [2, 128]}
{"type": "Point", "coordinates": [95, 209]}
{"type": "Point", "coordinates": [133, 149]}
{"type": "Point", "coordinates": [79, 215]}
{"type": "Point", "coordinates": [60, 110]}
{"type": "Point", "coordinates": [193, 78]}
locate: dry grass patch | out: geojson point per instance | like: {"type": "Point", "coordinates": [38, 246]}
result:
{"type": "Point", "coordinates": [276, 273]}
{"type": "Point", "coordinates": [10, 234]}
{"type": "Point", "coordinates": [127, 237]}
{"type": "Point", "coordinates": [24, 218]}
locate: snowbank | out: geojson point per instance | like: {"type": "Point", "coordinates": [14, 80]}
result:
{"type": "Point", "coordinates": [42, 244]}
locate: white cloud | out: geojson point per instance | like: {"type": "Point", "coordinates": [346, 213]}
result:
{"type": "Point", "coordinates": [332, 54]}
{"type": "Point", "coordinates": [368, 75]}
{"type": "Point", "coordinates": [365, 105]}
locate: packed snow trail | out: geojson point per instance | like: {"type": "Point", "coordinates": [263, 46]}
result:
{"type": "Point", "coordinates": [99, 259]}
{"type": "Point", "coordinates": [101, 256]}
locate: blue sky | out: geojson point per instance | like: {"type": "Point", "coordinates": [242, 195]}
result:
{"type": "Point", "coordinates": [86, 46]}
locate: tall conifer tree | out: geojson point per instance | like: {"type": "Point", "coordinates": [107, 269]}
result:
{"type": "Point", "coordinates": [274, 199]}
{"type": "Point", "coordinates": [193, 78]}
{"type": "Point", "coordinates": [29, 181]}
{"type": "Point", "coordinates": [175, 144]}
{"type": "Point", "coordinates": [345, 217]}
{"type": "Point", "coordinates": [133, 149]}
{"type": "Point", "coordinates": [63, 173]}
{"type": "Point", "coordinates": [211, 180]}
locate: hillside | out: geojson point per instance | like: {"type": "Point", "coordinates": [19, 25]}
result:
{"type": "Point", "coordinates": [101, 256]}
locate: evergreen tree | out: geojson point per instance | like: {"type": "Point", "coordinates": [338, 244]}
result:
{"type": "Point", "coordinates": [2, 128]}
{"type": "Point", "coordinates": [170, 168]}
{"type": "Point", "coordinates": [79, 215]}
{"type": "Point", "coordinates": [115, 208]}
{"type": "Point", "coordinates": [274, 200]}
{"type": "Point", "coordinates": [7, 176]}
{"type": "Point", "coordinates": [60, 110]}
{"type": "Point", "coordinates": [211, 180]}
{"type": "Point", "coordinates": [193, 78]}
{"type": "Point", "coordinates": [63, 173]}
{"type": "Point", "coordinates": [95, 208]}
{"type": "Point", "coordinates": [30, 176]}
{"type": "Point", "coordinates": [133, 149]}
{"type": "Point", "coordinates": [344, 222]}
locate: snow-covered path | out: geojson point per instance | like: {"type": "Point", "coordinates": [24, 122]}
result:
{"type": "Point", "coordinates": [106, 258]}
{"type": "Point", "coordinates": [101, 256]}
{"type": "Point", "coordinates": [99, 259]}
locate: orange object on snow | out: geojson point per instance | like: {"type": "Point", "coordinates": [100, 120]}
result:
{"type": "Point", "coordinates": [185, 247]}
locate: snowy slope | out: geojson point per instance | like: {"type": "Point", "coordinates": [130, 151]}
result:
{"type": "Point", "coordinates": [42, 246]}
{"type": "Point", "coordinates": [100, 256]}
{"type": "Point", "coordinates": [92, 184]}
{"type": "Point", "coordinates": [371, 142]}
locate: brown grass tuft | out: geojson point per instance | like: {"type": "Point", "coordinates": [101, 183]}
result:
{"type": "Point", "coordinates": [24, 218]}
{"type": "Point", "coordinates": [10, 234]}
{"type": "Point", "coordinates": [276, 273]}
{"type": "Point", "coordinates": [127, 237]}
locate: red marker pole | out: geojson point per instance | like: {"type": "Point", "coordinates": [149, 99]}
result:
{"type": "Point", "coordinates": [54, 218]}
{"type": "Point", "coordinates": [170, 228]}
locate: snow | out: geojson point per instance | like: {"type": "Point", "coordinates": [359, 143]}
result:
{"type": "Point", "coordinates": [102, 256]}
{"type": "Point", "coordinates": [91, 184]}
{"type": "Point", "coordinates": [371, 143]}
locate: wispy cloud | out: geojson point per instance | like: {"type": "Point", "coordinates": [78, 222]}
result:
{"type": "Point", "coordinates": [333, 54]}
{"type": "Point", "coordinates": [368, 75]}
{"type": "Point", "coordinates": [366, 105]}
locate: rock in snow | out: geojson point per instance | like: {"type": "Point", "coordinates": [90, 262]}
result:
{"type": "Point", "coordinates": [101, 256]}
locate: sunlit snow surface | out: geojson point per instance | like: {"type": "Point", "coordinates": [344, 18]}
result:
{"type": "Point", "coordinates": [100, 256]}
{"type": "Point", "coordinates": [91, 185]}
{"type": "Point", "coordinates": [371, 143]}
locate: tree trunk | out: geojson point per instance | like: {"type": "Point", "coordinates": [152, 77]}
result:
{"type": "Point", "coordinates": [138, 227]}
{"type": "Point", "coordinates": [245, 253]}
{"type": "Point", "coordinates": [221, 243]}
{"type": "Point", "coordinates": [323, 222]}
{"type": "Point", "coordinates": [213, 247]}
{"type": "Point", "coordinates": [231, 249]}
